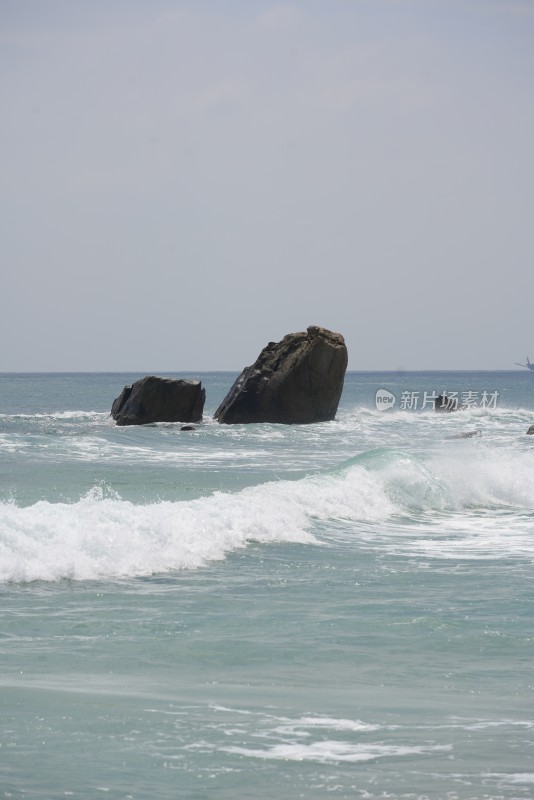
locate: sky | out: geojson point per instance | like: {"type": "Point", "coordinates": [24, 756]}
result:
{"type": "Point", "coordinates": [183, 182]}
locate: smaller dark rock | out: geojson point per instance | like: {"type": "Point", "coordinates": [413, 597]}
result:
{"type": "Point", "coordinates": [188, 428]}
{"type": "Point", "coordinates": [531, 430]}
{"type": "Point", "coordinates": [154, 399]}
{"type": "Point", "coordinates": [444, 403]}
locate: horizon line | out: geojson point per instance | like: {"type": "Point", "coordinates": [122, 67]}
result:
{"type": "Point", "coordinates": [398, 371]}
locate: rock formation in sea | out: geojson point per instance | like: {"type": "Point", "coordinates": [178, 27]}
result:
{"type": "Point", "coordinates": [466, 434]}
{"type": "Point", "coordinates": [154, 399]}
{"type": "Point", "coordinates": [296, 380]}
{"type": "Point", "coordinates": [531, 430]}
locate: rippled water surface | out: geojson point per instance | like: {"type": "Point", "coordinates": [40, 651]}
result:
{"type": "Point", "coordinates": [342, 609]}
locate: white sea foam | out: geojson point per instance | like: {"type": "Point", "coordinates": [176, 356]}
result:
{"type": "Point", "coordinates": [465, 504]}
{"type": "Point", "coordinates": [12, 444]}
{"type": "Point", "coordinates": [331, 723]}
{"type": "Point", "coordinates": [485, 724]}
{"type": "Point", "coordinates": [453, 481]}
{"type": "Point", "coordinates": [64, 415]}
{"type": "Point", "coordinates": [102, 537]}
{"type": "Point", "coordinates": [289, 726]}
{"type": "Point", "coordinates": [487, 478]}
{"type": "Point", "coordinates": [519, 777]}
{"type": "Point", "coordinates": [503, 779]}
{"type": "Point", "coordinates": [331, 751]}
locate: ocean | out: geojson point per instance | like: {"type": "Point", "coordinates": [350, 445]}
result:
{"type": "Point", "coordinates": [337, 610]}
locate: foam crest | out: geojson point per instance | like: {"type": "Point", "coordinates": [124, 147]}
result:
{"type": "Point", "coordinates": [335, 724]}
{"type": "Point", "coordinates": [103, 537]}
{"type": "Point", "coordinates": [62, 415]}
{"type": "Point", "coordinates": [462, 504]}
{"type": "Point", "coordinates": [305, 725]}
{"type": "Point", "coordinates": [519, 777]}
{"type": "Point", "coordinates": [486, 478]}
{"type": "Point", "coordinates": [99, 538]}
{"type": "Point", "coordinates": [462, 479]}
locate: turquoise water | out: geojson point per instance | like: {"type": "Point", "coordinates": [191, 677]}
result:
{"type": "Point", "coordinates": [335, 610]}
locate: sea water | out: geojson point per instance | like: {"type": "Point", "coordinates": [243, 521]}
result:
{"type": "Point", "coordinates": [264, 611]}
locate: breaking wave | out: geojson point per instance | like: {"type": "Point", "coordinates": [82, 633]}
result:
{"type": "Point", "coordinates": [483, 500]}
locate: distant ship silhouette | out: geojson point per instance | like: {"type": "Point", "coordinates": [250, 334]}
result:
{"type": "Point", "coordinates": [528, 365]}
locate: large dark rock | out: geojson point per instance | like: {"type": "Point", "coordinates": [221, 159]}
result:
{"type": "Point", "coordinates": [153, 399]}
{"type": "Point", "coordinates": [297, 380]}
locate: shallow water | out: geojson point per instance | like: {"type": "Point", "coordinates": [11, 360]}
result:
{"type": "Point", "coordinates": [342, 609]}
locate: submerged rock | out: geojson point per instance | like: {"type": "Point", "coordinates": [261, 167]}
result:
{"type": "Point", "coordinates": [154, 399]}
{"type": "Point", "coordinates": [466, 435]}
{"type": "Point", "coordinates": [296, 380]}
{"type": "Point", "coordinates": [531, 430]}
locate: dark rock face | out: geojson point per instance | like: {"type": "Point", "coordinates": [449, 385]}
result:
{"type": "Point", "coordinates": [531, 430]}
{"type": "Point", "coordinates": [153, 399]}
{"type": "Point", "coordinates": [297, 380]}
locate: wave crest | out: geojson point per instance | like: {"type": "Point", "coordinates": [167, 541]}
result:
{"type": "Point", "coordinates": [102, 536]}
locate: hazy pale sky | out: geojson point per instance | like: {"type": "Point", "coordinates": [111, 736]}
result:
{"type": "Point", "coordinates": [183, 182]}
